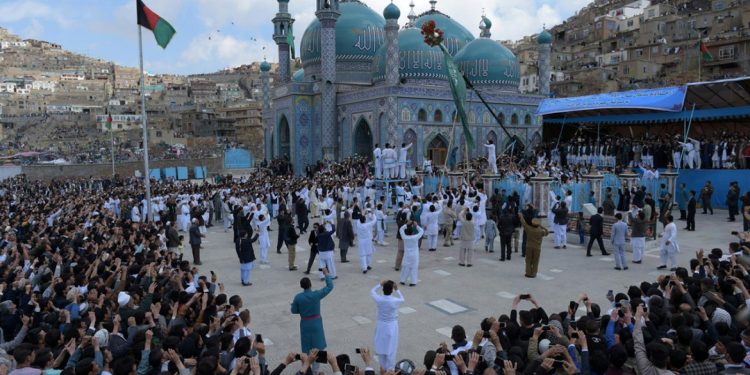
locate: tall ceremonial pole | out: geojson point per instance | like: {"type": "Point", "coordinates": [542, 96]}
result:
{"type": "Point", "coordinates": [146, 173]}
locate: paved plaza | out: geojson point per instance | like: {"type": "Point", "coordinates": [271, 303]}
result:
{"type": "Point", "coordinates": [446, 295]}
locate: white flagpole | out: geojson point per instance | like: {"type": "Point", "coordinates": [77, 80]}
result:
{"type": "Point", "coordinates": [147, 175]}
{"type": "Point", "coordinates": [112, 146]}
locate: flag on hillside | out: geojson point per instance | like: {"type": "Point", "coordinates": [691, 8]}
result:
{"type": "Point", "coordinates": [162, 30]}
{"type": "Point", "coordinates": [290, 40]}
{"type": "Point", "coordinates": [458, 89]}
{"type": "Point", "coordinates": [706, 54]}
{"type": "Point", "coordinates": [109, 122]}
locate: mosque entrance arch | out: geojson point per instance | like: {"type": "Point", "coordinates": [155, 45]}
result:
{"type": "Point", "coordinates": [363, 145]}
{"type": "Point", "coordinates": [285, 139]}
{"type": "Point", "coordinates": [437, 151]}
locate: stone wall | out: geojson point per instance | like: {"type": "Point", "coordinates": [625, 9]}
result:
{"type": "Point", "coordinates": [48, 172]}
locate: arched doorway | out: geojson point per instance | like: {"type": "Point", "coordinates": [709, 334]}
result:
{"type": "Point", "coordinates": [362, 139]}
{"type": "Point", "coordinates": [285, 139]}
{"type": "Point", "coordinates": [437, 151]}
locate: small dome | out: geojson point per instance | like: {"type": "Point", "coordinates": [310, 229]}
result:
{"type": "Point", "coordinates": [487, 62]}
{"type": "Point", "coordinates": [456, 35]}
{"type": "Point", "coordinates": [391, 12]}
{"type": "Point", "coordinates": [299, 76]}
{"type": "Point", "coordinates": [359, 33]}
{"type": "Point", "coordinates": [544, 38]}
{"type": "Point", "coordinates": [417, 59]}
{"type": "Point", "coordinates": [265, 66]}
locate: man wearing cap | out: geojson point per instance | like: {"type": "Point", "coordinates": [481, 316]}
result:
{"type": "Point", "coordinates": [306, 304]}
{"type": "Point", "coordinates": [535, 233]}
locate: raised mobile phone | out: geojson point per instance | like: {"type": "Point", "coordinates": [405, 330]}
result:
{"type": "Point", "coordinates": [524, 296]}
{"type": "Point", "coordinates": [322, 357]}
{"type": "Point", "coordinates": [258, 338]}
{"type": "Point", "coordinates": [358, 350]}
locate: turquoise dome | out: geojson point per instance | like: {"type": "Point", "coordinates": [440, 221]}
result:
{"type": "Point", "coordinates": [456, 36]}
{"type": "Point", "coordinates": [391, 12]}
{"type": "Point", "coordinates": [265, 66]}
{"type": "Point", "coordinates": [487, 62]}
{"type": "Point", "coordinates": [359, 34]}
{"type": "Point", "coordinates": [417, 59]}
{"type": "Point", "coordinates": [544, 38]}
{"type": "Point", "coordinates": [299, 76]}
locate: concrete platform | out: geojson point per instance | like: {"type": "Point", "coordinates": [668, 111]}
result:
{"type": "Point", "coordinates": [446, 295]}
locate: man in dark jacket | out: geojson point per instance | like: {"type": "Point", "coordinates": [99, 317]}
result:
{"type": "Point", "coordinates": [195, 242]}
{"type": "Point", "coordinates": [284, 220]}
{"type": "Point", "coordinates": [173, 238]}
{"type": "Point", "coordinates": [506, 224]}
{"type": "Point", "coordinates": [639, 197]}
{"type": "Point", "coordinates": [301, 210]}
{"type": "Point", "coordinates": [596, 230]}
{"type": "Point", "coordinates": [326, 246]}
{"type": "Point", "coordinates": [247, 256]}
{"type": "Point", "coordinates": [691, 212]}
{"type": "Point", "coordinates": [291, 245]}
{"type": "Point", "coordinates": [345, 235]}
{"type": "Point", "coordinates": [733, 197]}
{"type": "Point", "coordinates": [561, 225]}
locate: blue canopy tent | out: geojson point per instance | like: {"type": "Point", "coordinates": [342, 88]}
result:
{"type": "Point", "coordinates": [726, 100]}
{"type": "Point", "coordinates": [699, 101]}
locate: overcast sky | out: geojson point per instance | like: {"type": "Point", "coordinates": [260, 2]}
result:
{"type": "Point", "coordinates": [215, 34]}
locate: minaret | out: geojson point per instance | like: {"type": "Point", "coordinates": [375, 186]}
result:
{"type": "Point", "coordinates": [412, 16]}
{"type": "Point", "coordinates": [282, 23]}
{"type": "Point", "coordinates": [265, 73]}
{"type": "Point", "coordinates": [328, 12]}
{"type": "Point", "coordinates": [545, 49]}
{"type": "Point", "coordinates": [391, 15]}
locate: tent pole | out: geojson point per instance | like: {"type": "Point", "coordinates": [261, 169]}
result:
{"type": "Point", "coordinates": [685, 138]}
{"type": "Point", "coordinates": [559, 137]}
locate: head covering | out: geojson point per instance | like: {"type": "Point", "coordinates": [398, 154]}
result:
{"type": "Point", "coordinates": [5, 307]}
{"type": "Point", "coordinates": [543, 345]}
{"type": "Point", "coordinates": [103, 337]}
{"type": "Point", "coordinates": [558, 325]}
{"type": "Point", "coordinates": [123, 298]}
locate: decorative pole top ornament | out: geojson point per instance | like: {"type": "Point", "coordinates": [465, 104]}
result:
{"type": "Point", "coordinates": [433, 36]}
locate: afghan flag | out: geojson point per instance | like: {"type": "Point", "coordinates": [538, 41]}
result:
{"type": "Point", "coordinates": [458, 89]}
{"type": "Point", "coordinates": [290, 40]}
{"type": "Point", "coordinates": [109, 122]}
{"type": "Point", "coordinates": [706, 54]}
{"type": "Point", "coordinates": [162, 30]}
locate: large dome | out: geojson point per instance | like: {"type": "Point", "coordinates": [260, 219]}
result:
{"type": "Point", "coordinates": [417, 60]}
{"type": "Point", "coordinates": [359, 34]}
{"type": "Point", "coordinates": [456, 35]}
{"type": "Point", "coordinates": [487, 62]}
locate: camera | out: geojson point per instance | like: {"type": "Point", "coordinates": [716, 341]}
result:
{"type": "Point", "coordinates": [486, 334]}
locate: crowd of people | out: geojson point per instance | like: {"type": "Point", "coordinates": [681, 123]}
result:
{"type": "Point", "coordinates": [718, 151]}
{"type": "Point", "coordinates": [94, 279]}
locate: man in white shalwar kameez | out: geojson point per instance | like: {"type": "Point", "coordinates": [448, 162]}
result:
{"type": "Point", "coordinates": [386, 328]}
{"type": "Point", "coordinates": [491, 156]}
{"type": "Point", "coordinates": [364, 239]}
{"type": "Point", "coordinates": [262, 222]}
{"type": "Point", "coordinates": [377, 155]}
{"type": "Point", "coordinates": [410, 234]}
{"type": "Point", "coordinates": [669, 247]}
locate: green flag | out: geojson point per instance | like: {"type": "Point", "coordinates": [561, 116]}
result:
{"type": "Point", "coordinates": [458, 89]}
{"type": "Point", "coordinates": [290, 40]}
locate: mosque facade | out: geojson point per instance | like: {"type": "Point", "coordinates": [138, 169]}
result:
{"type": "Point", "coordinates": [367, 80]}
